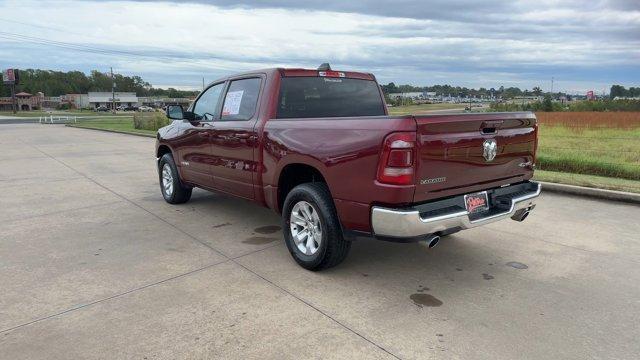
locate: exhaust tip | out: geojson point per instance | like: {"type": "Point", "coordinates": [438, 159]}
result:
{"type": "Point", "coordinates": [433, 241]}
{"type": "Point", "coordinates": [521, 215]}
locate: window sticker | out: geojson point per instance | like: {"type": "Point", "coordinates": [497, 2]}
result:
{"type": "Point", "coordinates": [232, 103]}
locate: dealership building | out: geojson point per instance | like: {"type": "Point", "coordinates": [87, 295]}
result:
{"type": "Point", "coordinates": [97, 99]}
{"type": "Point", "coordinates": [91, 100]}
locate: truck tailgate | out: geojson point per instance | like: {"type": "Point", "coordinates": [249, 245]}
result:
{"type": "Point", "coordinates": [455, 152]}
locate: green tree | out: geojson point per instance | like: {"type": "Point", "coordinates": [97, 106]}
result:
{"type": "Point", "coordinates": [390, 88]}
{"type": "Point", "coordinates": [547, 103]}
{"type": "Point", "coordinates": [56, 83]}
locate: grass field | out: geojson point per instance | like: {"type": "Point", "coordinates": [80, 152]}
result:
{"type": "Point", "coordinates": [592, 143]}
{"type": "Point", "coordinates": [601, 182]}
{"type": "Point", "coordinates": [123, 124]}
{"type": "Point", "coordinates": [591, 119]}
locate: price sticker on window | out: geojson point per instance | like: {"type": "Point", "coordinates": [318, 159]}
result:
{"type": "Point", "coordinates": [232, 103]}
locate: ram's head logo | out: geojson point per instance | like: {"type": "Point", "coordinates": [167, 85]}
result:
{"type": "Point", "coordinates": [489, 149]}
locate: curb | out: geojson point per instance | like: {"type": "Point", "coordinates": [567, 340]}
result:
{"type": "Point", "coordinates": [111, 131]}
{"type": "Point", "coordinates": [591, 192]}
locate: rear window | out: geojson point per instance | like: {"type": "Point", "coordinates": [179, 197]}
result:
{"type": "Point", "coordinates": [308, 97]}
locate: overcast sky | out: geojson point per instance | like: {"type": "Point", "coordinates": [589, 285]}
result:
{"type": "Point", "coordinates": [584, 45]}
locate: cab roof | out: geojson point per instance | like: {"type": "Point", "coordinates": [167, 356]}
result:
{"type": "Point", "coordinates": [300, 72]}
{"type": "Point", "coordinates": [293, 72]}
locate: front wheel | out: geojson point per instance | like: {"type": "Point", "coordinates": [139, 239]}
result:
{"type": "Point", "coordinates": [311, 228]}
{"type": "Point", "coordinates": [173, 191]}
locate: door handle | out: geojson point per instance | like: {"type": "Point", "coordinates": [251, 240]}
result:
{"type": "Point", "coordinates": [242, 136]}
{"type": "Point", "coordinates": [490, 126]}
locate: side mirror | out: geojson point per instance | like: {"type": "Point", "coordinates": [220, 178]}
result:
{"type": "Point", "coordinates": [175, 112]}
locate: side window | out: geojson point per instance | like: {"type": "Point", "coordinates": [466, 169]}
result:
{"type": "Point", "coordinates": [241, 99]}
{"type": "Point", "coordinates": [205, 108]}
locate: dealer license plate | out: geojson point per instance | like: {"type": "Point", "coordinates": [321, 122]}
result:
{"type": "Point", "coordinates": [477, 202]}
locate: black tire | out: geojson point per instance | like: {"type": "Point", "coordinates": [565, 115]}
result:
{"type": "Point", "coordinates": [333, 248]}
{"type": "Point", "coordinates": [180, 193]}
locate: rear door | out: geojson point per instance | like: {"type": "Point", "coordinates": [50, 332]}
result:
{"type": "Point", "coordinates": [234, 137]}
{"type": "Point", "coordinates": [460, 153]}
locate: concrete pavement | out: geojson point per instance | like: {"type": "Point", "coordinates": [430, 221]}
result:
{"type": "Point", "coordinates": [94, 264]}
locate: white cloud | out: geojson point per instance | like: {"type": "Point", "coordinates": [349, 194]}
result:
{"type": "Point", "coordinates": [178, 43]}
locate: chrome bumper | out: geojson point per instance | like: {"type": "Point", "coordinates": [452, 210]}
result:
{"type": "Point", "coordinates": [408, 223]}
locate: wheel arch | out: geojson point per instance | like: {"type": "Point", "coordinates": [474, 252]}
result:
{"type": "Point", "coordinates": [163, 149]}
{"type": "Point", "coordinates": [294, 174]}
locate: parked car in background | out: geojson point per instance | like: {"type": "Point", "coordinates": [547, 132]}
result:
{"type": "Point", "coordinates": [318, 147]}
{"type": "Point", "coordinates": [145, 108]}
{"type": "Point", "coordinates": [102, 109]}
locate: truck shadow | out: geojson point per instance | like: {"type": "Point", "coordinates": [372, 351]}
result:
{"type": "Point", "coordinates": [460, 261]}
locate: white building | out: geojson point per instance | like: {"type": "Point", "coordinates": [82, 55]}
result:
{"type": "Point", "coordinates": [406, 95]}
{"type": "Point", "coordinates": [76, 101]}
{"type": "Point", "coordinates": [97, 99]}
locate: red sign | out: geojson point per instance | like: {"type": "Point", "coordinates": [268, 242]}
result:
{"type": "Point", "coordinates": [476, 202]}
{"type": "Point", "coordinates": [9, 76]}
{"type": "Point", "coordinates": [590, 95]}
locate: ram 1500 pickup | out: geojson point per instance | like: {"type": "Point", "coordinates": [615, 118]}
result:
{"type": "Point", "coordinates": [319, 147]}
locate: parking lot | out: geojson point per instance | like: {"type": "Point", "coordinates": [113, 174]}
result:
{"type": "Point", "coordinates": [94, 264]}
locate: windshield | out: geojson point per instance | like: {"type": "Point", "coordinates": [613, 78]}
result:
{"type": "Point", "coordinates": [309, 97]}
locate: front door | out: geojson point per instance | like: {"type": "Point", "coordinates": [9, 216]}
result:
{"type": "Point", "coordinates": [234, 138]}
{"type": "Point", "coordinates": [194, 146]}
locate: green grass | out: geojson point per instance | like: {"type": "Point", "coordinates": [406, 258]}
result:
{"type": "Point", "coordinates": [422, 108]}
{"type": "Point", "coordinates": [603, 152]}
{"type": "Point", "coordinates": [599, 182]}
{"type": "Point", "coordinates": [117, 124]}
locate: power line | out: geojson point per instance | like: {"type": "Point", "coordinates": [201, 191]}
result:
{"type": "Point", "coordinates": [98, 50]}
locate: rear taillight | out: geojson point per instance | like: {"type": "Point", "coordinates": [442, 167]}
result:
{"type": "Point", "coordinates": [397, 161]}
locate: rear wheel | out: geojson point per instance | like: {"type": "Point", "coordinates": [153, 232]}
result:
{"type": "Point", "coordinates": [173, 190]}
{"type": "Point", "coordinates": [311, 228]}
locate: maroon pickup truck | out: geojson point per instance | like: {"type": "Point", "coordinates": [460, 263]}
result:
{"type": "Point", "coordinates": [319, 147]}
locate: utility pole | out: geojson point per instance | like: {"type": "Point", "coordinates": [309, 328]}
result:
{"type": "Point", "coordinates": [14, 104]}
{"type": "Point", "coordinates": [202, 83]}
{"type": "Point", "coordinates": [113, 94]}
{"type": "Point", "coordinates": [552, 86]}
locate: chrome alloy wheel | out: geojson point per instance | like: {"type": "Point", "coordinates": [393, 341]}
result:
{"type": "Point", "coordinates": [167, 180]}
{"type": "Point", "coordinates": [306, 228]}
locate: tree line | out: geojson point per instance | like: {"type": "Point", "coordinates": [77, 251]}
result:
{"type": "Point", "coordinates": [548, 105]}
{"type": "Point", "coordinates": [458, 91]}
{"type": "Point", "coordinates": [56, 83]}
{"type": "Point", "coordinates": [621, 91]}
{"type": "Point", "coordinates": [501, 92]}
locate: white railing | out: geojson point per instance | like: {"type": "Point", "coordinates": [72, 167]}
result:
{"type": "Point", "coordinates": [57, 119]}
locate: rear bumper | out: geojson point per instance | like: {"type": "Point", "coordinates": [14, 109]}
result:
{"type": "Point", "coordinates": [450, 214]}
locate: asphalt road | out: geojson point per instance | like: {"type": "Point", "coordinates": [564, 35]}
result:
{"type": "Point", "coordinates": [17, 120]}
{"type": "Point", "coordinates": [94, 264]}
